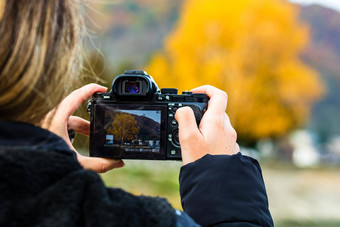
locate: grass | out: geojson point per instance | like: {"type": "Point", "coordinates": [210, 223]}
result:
{"type": "Point", "coordinates": [313, 223]}
{"type": "Point", "coordinates": [154, 178]}
{"type": "Point", "coordinates": [298, 197]}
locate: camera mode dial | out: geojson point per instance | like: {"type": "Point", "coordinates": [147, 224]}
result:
{"type": "Point", "coordinates": [173, 91]}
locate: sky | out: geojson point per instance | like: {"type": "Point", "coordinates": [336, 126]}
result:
{"type": "Point", "coordinates": [334, 4]}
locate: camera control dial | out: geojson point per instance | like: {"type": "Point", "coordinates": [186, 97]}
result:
{"type": "Point", "coordinates": [173, 91]}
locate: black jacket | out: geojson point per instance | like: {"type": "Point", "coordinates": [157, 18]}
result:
{"type": "Point", "coordinates": [42, 184]}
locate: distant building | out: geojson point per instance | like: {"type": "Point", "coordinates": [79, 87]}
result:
{"type": "Point", "coordinates": [305, 152]}
{"type": "Point", "coordinates": [333, 146]}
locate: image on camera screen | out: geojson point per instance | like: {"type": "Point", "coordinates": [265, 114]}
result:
{"type": "Point", "coordinates": [133, 130]}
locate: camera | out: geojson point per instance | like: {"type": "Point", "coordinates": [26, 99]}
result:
{"type": "Point", "coordinates": [136, 120]}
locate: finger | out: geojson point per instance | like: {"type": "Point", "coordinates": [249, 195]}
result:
{"type": "Point", "coordinates": [72, 102]}
{"type": "Point", "coordinates": [218, 98]}
{"type": "Point", "coordinates": [190, 137]}
{"type": "Point", "coordinates": [230, 131]}
{"type": "Point", "coordinates": [231, 136]}
{"type": "Point", "coordinates": [46, 122]}
{"type": "Point", "coordinates": [187, 125]}
{"type": "Point", "coordinates": [79, 125]}
{"type": "Point", "coordinates": [99, 165]}
{"type": "Point", "coordinates": [237, 148]}
{"type": "Point", "coordinates": [226, 119]}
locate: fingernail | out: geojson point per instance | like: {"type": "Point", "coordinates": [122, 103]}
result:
{"type": "Point", "coordinates": [123, 163]}
{"type": "Point", "coordinates": [120, 164]}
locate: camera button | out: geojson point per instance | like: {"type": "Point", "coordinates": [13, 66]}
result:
{"type": "Point", "coordinates": [175, 138]}
{"type": "Point", "coordinates": [171, 115]}
{"type": "Point", "coordinates": [174, 122]}
{"type": "Point", "coordinates": [173, 152]}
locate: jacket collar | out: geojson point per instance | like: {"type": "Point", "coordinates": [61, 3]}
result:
{"type": "Point", "coordinates": [32, 161]}
{"type": "Point", "coordinates": [19, 134]}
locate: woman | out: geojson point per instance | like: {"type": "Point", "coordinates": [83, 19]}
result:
{"type": "Point", "coordinates": [45, 182]}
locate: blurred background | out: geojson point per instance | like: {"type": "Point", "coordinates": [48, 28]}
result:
{"type": "Point", "coordinates": [279, 62]}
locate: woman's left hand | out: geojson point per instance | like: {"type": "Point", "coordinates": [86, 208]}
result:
{"type": "Point", "coordinates": [63, 120]}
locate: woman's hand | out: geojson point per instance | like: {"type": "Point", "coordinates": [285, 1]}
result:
{"type": "Point", "coordinates": [62, 121]}
{"type": "Point", "coordinates": [214, 136]}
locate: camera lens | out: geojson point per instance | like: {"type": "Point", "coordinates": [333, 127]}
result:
{"type": "Point", "coordinates": [132, 87]}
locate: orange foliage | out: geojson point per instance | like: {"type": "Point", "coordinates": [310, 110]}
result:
{"type": "Point", "coordinates": [250, 49]}
{"type": "Point", "coordinates": [124, 127]}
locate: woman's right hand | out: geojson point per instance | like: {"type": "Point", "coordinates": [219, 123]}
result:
{"type": "Point", "coordinates": [214, 136]}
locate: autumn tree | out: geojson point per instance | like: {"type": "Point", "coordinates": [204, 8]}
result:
{"type": "Point", "coordinates": [124, 127]}
{"type": "Point", "coordinates": [250, 49]}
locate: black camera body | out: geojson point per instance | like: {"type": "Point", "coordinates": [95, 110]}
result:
{"type": "Point", "coordinates": [136, 120]}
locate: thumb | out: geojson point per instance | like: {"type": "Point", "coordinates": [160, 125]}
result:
{"type": "Point", "coordinates": [99, 165]}
{"type": "Point", "coordinates": [187, 126]}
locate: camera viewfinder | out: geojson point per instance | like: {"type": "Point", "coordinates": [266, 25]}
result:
{"type": "Point", "coordinates": [132, 87]}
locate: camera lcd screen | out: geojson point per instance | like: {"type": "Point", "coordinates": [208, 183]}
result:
{"type": "Point", "coordinates": [133, 130]}
{"type": "Point", "coordinates": [126, 131]}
